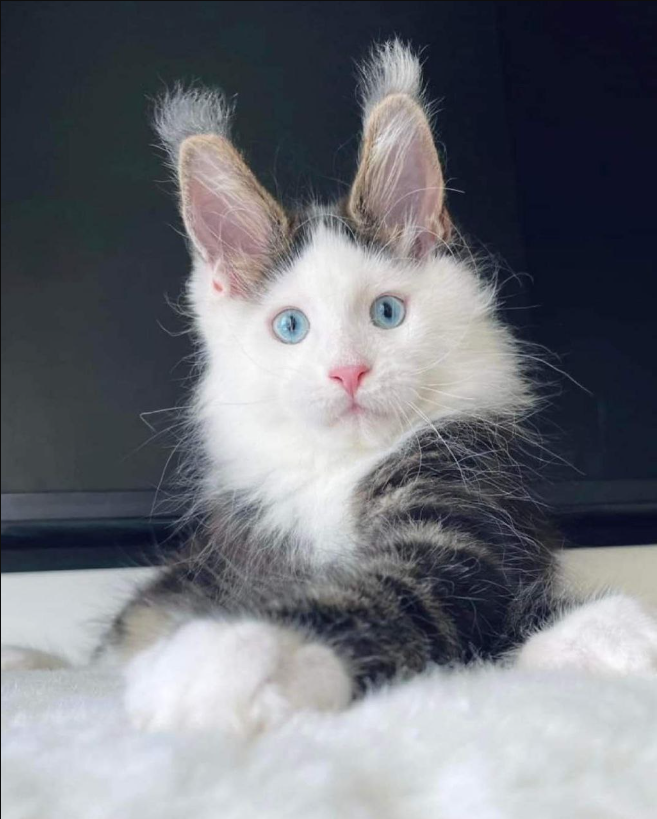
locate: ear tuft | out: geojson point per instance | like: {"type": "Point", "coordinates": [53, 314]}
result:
{"type": "Point", "coordinates": [184, 112]}
{"type": "Point", "coordinates": [391, 68]}
{"type": "Point", "coordinates": [398, 194]}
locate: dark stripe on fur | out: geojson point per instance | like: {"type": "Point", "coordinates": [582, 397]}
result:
{"type": "Point", "coordinates": [452, 561]}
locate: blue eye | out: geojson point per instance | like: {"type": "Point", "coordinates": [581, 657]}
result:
{"type": "Point", "coordinates": [291, 326]}
{"type": "Point", "coordinates": [387, 312]}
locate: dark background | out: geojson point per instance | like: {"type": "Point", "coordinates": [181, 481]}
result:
{"type": "Point", "coordinates": [547, 120]}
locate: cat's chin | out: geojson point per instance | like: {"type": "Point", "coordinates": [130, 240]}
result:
{"type": "Point", "coordinates": [363, 428]}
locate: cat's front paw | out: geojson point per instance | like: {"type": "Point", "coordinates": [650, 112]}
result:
{"type": "Point", "coordinates": [614, 635]}
{"type": "Point", "coordinates": [243, 677]}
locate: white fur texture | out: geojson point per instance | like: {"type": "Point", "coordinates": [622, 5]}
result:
{"type": "Point", "coordinates": [614, 635]}
{"type": "Point", "coordinates": [240, 677]}
{"type": "Point", "coordinates": [483, 745]}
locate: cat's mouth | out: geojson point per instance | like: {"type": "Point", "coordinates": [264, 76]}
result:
{"type": "Point", "coordinates": [358, 410]}
{"type": "Point", "coordinates": [355, 412]}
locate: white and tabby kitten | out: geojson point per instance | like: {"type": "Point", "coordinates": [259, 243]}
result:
{"type": "Point", "coordinates": [360, 410]}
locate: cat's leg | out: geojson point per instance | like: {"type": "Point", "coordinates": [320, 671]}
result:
{"type": "Point", "coordinates": [317, 647]}
{"type": "Point", "coordinates": [614, 635]}
{"type": "Point", "coordinates": [242, 676]}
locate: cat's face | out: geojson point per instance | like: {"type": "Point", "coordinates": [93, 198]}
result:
{"type": "Point", "coordinates": [360, 325]}
{"type": "Point", "coordinates": [355, 344]}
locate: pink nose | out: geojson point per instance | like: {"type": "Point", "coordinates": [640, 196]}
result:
{"type": "Point", "coordinates": [349, 377]}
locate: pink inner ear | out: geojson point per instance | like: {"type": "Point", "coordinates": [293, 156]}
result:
{"type": "Point", "coordinates": [228, 225]}
{"type": "Point", "coordinates": [228, 219]}
{"type": "Point", "coordinates": [413, 194]}
{"type": "Point", "coordinates": [400, 183]}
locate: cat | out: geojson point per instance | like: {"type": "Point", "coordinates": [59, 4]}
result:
{"type": "Point", "coordinates": [362, 408]}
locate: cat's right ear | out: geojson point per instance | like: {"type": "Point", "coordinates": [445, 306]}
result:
{"type": "Point", "coordinates": [234, 225]}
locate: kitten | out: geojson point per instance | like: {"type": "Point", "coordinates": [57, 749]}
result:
{"type": "Point", "coordinates": [361, 410]}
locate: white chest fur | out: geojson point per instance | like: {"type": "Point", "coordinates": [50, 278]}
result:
{"type": "Point", "coordinates": [306, 490]}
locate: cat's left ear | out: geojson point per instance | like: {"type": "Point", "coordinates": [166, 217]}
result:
{"type": "Point", "coordinates": [398, 195]}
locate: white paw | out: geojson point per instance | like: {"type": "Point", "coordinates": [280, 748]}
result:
{"type": "Point", "coordinates": [615, 635]}
{"type": "Point", "coordinates": [29, 659]}
{"type": "Point", "coordinates": [242, 677]}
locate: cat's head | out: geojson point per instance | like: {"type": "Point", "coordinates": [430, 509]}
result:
{"type": "Point", "coordinates": [357, 321]}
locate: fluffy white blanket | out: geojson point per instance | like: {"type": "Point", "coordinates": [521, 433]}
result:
{"type": "Point", "coordinates": [482, 744]}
